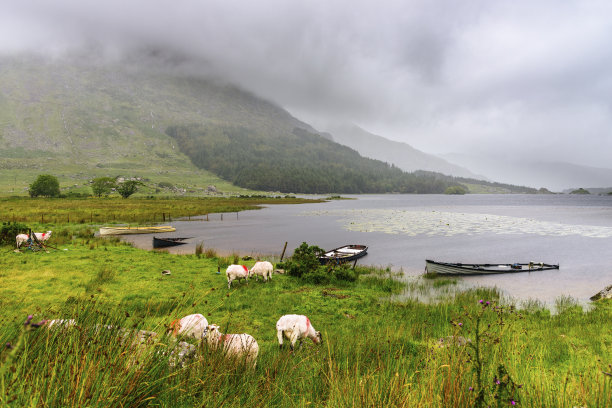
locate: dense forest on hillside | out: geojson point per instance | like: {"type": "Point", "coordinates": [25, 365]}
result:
{"type": "Point", "coordinates": [299, 162]}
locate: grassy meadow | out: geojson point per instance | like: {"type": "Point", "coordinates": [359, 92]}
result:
{"type": "Point", "coordinates": [468, 350]}
{"type": "Point", "coordinates": [47, 212]}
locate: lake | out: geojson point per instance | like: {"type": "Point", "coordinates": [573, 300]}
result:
{"type": "Point", "coordinates": [404, 230]}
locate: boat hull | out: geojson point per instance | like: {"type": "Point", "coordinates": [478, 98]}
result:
{"type": "Point", "coordinates": [135, 230]}
{"type": "Point", "coordinates": [167, 242]}
{"type": "Point", "coordinates": [445, 268]}
{"type": "Point", "coordinates": [347, 253]}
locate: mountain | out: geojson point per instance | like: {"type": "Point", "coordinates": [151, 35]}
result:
{"type": "Point", "coordinates": [79, 121]}
{"type": "Point", "coordinates": [400, 154]}
{"type": "Point", "coordinates": [556, 176]}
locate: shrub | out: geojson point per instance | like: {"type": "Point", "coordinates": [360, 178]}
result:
{"type": "Point", "coordinates": [304, 260]}
{"type": "Point", "coordinates": [9, 230]}
{"type": "Point", "coordinates": [345, 273]}
{"type": "Point", "coordinates": [45, 185]}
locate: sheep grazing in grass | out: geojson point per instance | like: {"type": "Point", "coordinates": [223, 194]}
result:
{"type": "Point", "coordinates": [193, 325]}
{"type": "Point", "coordinates": [294, 328]}
{"type": "Point", "coordinates": [21, 239]}
{"type": "Point", "coordinates": [41, 237]}
{"type": "Point", "coordinates": [242, 346]}
{"type": "Point", "coordinates": [236, 272]}
{"type": "Point", "coordinates": [263, 268]}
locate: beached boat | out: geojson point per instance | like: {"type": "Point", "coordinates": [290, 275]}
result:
{"type": "Point", "coordinates": [167, 242]}
{"type": "Point", "coordinates": [345, 253]}
{"type": "Point", "coordinates": [445, 268]}
{"type": "Point", "coordinates": [135, 230]}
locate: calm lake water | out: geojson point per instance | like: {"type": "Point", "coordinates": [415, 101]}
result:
{"type": "Point", "coordinates": [404, 230]}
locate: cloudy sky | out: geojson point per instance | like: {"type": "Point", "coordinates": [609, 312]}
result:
{"type": "Point", "coordinates": [512, 78]}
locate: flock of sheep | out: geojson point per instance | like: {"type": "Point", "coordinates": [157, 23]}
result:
{"type": "Point", "coordinates": [293, 327]}
{"type": "Point", "coordinates": [242, 346]}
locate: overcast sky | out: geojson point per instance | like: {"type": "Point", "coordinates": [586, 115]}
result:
{"type": "Point", "coordinates": [515, 78]}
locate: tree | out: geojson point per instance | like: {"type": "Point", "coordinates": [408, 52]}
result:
{"type": "Point", "coordinates": [103, 186]}
{"type": "Point", "coordinates": [45, 185]}
{"type": "Point", "coordinates": [127, 188]}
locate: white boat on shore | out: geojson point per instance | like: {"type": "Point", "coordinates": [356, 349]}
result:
{"type": "Point", "coordinates": [135, 230]}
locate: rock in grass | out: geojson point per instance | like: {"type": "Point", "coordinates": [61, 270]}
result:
{"type": "Point", "coordinates": [603, 294]}
{"type": "Point", "coordinates": [166, 272]}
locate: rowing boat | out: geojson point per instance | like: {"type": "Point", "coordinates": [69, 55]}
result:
{"type": "Point", "coordinates": [342, 254]}
{"type": "Point", "coordinates": [135, 230]}
{"type": "Point", "coordinates": [167, 242]}
{"type": "Point", "coordinates": [445, 268]}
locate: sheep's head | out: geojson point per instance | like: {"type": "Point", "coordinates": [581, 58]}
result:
{"type": "Point", "coordinates": [318, 338]}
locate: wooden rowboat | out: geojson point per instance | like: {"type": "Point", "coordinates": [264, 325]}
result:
{"type": "Point", "coordinates": [135, 230]}
{"type": "Point", "coordinates": [343, 254]}
{"type": "Point", "coordinates": [167, 242]}
{"type": "Point", "coordinates": [445, 268]}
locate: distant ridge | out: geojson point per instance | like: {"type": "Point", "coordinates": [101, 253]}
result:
{"type": "Point", "coordinates": [400, 154]}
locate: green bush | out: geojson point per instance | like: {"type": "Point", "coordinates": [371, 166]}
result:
{"type": "Point", "coordinates": [9, 230]}
{"type": "Point", "coordinates": [304, 260]}
{"type": "Point", "coordinates": [345, 273]}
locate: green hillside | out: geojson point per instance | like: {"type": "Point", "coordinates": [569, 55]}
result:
{"type": "Point", "coordinates": [79, 121]}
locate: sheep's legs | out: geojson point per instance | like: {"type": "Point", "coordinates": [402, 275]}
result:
{"type": "Point", "coordinates": [279, 334]}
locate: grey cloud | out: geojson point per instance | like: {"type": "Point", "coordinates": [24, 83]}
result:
{"type": "Point", "coordinates": [444, 76]}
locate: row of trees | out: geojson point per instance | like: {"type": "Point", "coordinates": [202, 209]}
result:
{"type": "Point", "coordinates": [295, 162]}
{"type": "Point", "coordinates": [47, 185]}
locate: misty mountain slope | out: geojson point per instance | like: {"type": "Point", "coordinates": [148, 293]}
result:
{"type": "Point", "coordinates": [400, 154]}
{"type": "Point", "coordinates": [556, 176]}
{"type": "Point", "coordinates": [79, 121]}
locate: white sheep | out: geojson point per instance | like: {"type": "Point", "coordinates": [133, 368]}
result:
{"type": "Point", "coordinates": [234, 272]}
{"type": "Point", "coordinates": [294, 328]}
{"type": "Point", "coordinates": [193, 325]}
{"type": "Point", "coordinates": [233, 345]}
{"type": "Point", "coordinates": [21, 239]}
{"type": "Point", "coordinates": [263, 268]}
{"type": "Point", "coordinates": [42, 237]}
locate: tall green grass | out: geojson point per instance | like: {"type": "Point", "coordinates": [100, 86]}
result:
{"type": "Point", "coordinates": [378, 349]}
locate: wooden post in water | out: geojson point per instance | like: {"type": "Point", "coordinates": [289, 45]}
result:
{"type": "Point", "coordinates": [221, 216]}
{"type": "Point", "coordinates": [164, 217]}
{"type": "Point", "coordinates": [42, 219]}
{"type": "Point", "coordinates": [283, 254]}
{"type": "Point", "coordinates": [354, 264]}
{"type": "Point", "coordinates": [206, 217]}
{"type": "Point", "coordinates": [236, 215]}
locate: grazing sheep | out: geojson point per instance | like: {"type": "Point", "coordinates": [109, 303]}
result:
{"type": "Point", "coordinates": [294, 328]}
{"type": "Point", "coordinates": [234, 272]}
{"type": "Point", "coordinates": [42, 237]}
{"type": "Point", "coordinates": [193, 325]}
{"type": "Point", "coordinates": [263, 268]}
{"type": "Point", "coordinates": [233, 345]}
{"type": "Point", "coordinates": [21, 239]}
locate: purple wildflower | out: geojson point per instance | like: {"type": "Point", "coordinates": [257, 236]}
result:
{"type": "Point", "coordinates": [481, 301]}
{"type": "Point", "coordinates": [29, 319]}
{"type": "Point", "coordinates": [512, 402]}
{"type": "Point", "coordinates": [488, 303]}
{"type": "Point", "coordinates": [460, 324]}
{"type": "Point", "coordinates": [9, 346]}
{"type": "Point", "coordinates": [471, 388]}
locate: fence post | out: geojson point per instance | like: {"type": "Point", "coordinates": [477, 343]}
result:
{"type": "Point", "coordinates": [283, 254]}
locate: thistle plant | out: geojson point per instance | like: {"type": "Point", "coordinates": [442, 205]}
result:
{"type": "Point", "coordinates": [488, 326]}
